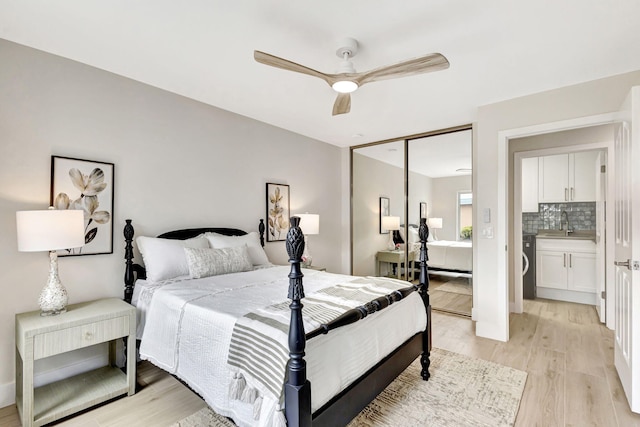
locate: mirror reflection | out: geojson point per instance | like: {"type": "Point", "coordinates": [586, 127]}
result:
{"type": "Point", "coordinates": [388, 202]}
{"type": "Point", "coordinates": [440, 175]}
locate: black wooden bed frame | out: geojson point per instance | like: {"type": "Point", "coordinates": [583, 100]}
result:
{"type": "Point", "coordinates": [348, 403]}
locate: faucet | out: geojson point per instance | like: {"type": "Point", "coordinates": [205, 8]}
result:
{"type": "Point", "coordinates": [565, 218]}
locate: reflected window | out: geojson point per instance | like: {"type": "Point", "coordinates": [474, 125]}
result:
{"type": "Point", "coordinates": [465, 218]}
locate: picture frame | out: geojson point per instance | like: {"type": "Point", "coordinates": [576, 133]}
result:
{"type": "Point", "coordinates": [278, 211]}
{"type": "Point", "coordinates": [86, 185]}
{"type": "Point", "coordinates": [423, 210]}
{"type": "Point", "coordinates": [384, 211]}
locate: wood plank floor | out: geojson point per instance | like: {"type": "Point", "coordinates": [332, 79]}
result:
{"type": "Point", "coordinates": [567, 353]}
{"type": "Point", "coordinates": [452, 302]}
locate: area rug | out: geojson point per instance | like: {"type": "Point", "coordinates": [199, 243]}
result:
{"type": "Point", "coordinates": [462, 391]}
{"type": "Point", "coordinates": [458, 286]}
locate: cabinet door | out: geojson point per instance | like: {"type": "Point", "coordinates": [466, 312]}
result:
{"type": "Point", "coordinates": [582, 176]}
{"type": "Point", "coordinates": [553, 178]}
{"type": "Point", "coordinates": [582, 272]}
{"type": "Point", "coordinates": [530, 184]}
{"type": "Point", "coordinates": [551, 269]}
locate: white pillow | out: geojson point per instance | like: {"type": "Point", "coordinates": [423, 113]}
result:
{"type": "Point", "coordinates": [257, 254]}
{"type": "Point", "coordinates": [164, 258]}
{"type": "Point", "coordinates": [414, 237]}
{"type": "Point", "coordinates": [213, 262]}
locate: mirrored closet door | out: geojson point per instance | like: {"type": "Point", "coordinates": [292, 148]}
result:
{"type": "Point", "coordinates": [440, 175]}
{"type": "Point", "coordinates": [394, 184]}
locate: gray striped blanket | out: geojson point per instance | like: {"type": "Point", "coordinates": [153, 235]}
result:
{"type": "Point", "coordinates": [259, 350]}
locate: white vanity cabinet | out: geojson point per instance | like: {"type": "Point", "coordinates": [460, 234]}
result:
{"type": "Point", "coordinates": [567, 177]}
{"type": "Point", "coordinates": [566, 269]}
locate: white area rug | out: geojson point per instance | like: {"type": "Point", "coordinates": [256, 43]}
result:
{"type": "Point", "coordinates": [462, 391]}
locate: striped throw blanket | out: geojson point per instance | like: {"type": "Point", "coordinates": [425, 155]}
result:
{"type": "Point", "coordinates": [259, 349]}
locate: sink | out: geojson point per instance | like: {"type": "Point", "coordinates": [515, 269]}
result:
{"type": "Point", "coordinates": [563, 234]}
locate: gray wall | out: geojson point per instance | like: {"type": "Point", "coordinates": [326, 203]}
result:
{"type": "Point", "coordinates": [177, 162]}
{"type": "Point", "coordinates": [445, 204]}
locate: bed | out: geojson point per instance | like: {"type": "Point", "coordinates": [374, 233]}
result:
{"type": "Point", "coordinates": [450, 256]}
{"type": "Point", "coordinates": [223, 334]}
{"type": "Point", "coordinates": [444, 255]}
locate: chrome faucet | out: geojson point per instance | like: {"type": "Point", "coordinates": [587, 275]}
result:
{"type": "Point", "coordinates": [564, 218]}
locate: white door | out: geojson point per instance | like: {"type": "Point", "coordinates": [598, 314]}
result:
{"type": "Point", "coordinates": [601, 187]}
{"type": "Point", "coordinates": [627, 248]}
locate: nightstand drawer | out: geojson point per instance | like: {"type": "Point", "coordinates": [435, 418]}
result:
{"type": "Point", "coordinates": [56, 342]}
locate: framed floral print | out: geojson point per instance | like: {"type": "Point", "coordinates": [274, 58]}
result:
{"type": "Point", "coordinates": [85, 185]}
{"type": "Point", "coordinates": [384, 211]}
{"type": "Point", "coordinates": [277, 212]}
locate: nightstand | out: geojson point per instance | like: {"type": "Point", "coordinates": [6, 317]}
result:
{"type": "Point", "coordinates": [83, 325]}
{"type": "Point", "coordinates": [393, 257]}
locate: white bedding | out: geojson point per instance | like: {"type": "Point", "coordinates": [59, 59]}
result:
{"type": "Point", "coordinates": [187, 326]}
{"type": "Point", "coordinates": [449, 255]}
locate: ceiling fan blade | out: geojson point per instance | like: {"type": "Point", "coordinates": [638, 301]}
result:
{"type": "Point", "coordinates": [342, 104]}
{"type": "Point", "coordinates": [423, 64]}
{"type": "Point", "coordinates": [274, 61]}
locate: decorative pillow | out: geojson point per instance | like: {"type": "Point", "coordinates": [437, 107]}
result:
{"type": "Point", "coordinates": [213, 262]}
{"type": "Point", "coordinates": [257, 254]}
{"type": "Point", "coordinates": [414, 236]}
{"type": "Point", "coordinates": [164, 258]}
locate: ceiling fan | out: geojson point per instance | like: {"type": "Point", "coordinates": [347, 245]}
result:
{"type": "Point", "coordinates": [347, 80]}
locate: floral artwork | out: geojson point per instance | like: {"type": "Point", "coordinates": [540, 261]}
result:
{"type": "Point", "coordinates": [88, 186]}
{"type": "Point", "coordinates": [277, 212]}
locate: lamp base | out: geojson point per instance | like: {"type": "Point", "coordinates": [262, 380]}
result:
{"type": "Point", "coordinates": [391, 245]}
{"type": "Point", "coordinates": [53, 297]}
{"type": "Point", "coordinates": [306, 256]}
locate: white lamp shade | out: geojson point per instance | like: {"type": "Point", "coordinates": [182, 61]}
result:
{"type": "Point", "coordinates": [309, 223]}
{"type": "Point", "coordinates": [435, 222]}
{"type": "Point", "coordinates": [391, 223]}
{"type": "Point", "coordinates": [49, 230]}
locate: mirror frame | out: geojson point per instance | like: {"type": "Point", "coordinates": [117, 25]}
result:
{"type": "Point", "coordinates": [406, 140]}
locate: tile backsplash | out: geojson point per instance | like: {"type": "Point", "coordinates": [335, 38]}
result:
{"type": "Point", "coordinates": [582, 216]}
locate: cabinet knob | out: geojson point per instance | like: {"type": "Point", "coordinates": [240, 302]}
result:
{"type": "Point", "coordinates": [88, 336]}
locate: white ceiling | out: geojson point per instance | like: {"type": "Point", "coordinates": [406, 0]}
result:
{"type": "Point", "coordinates": [203, 49]}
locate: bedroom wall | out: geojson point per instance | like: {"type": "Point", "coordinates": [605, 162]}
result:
{"type": "Point", "coordinates": [372, 179]}
{"type": "Point", "coordinates": [491, 307]}
{"type": "Point", "coordinates": [445, 203]}
{"type": "Point", "coordinates": [178, 163]}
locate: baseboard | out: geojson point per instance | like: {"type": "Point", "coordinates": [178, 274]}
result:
{"type": "Point", "coordinates": [54, 371]}
{"type": "Point", "coordinates": [7, 394]}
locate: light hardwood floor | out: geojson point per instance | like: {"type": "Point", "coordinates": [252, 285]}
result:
{"type": "Point", "coordinates": [567, 353]}
{"type": "Point", "coordinates": [455, 302]}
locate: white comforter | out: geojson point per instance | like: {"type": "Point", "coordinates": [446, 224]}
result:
{"type": "Point", "coordinates": [188, 324]}
{"type": "Point", "coordinates": [450, 255]}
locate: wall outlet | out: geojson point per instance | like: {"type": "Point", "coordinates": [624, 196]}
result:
{"type": "Point", "coordinates": [487, 232]}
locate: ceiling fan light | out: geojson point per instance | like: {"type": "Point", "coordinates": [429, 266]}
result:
{"type": "Point", "coordinates": [344, 86]}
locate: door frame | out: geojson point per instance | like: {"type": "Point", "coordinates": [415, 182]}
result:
{"type": "Point", "coordinates": [502, 230]}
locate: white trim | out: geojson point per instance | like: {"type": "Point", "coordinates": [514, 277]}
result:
{"type": "Point", "coordinates": [502, 225]}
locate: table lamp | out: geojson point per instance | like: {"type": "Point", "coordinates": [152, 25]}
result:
{"type": "Point", "coordinates": [391, 223]}
{"type": "Point", "coordinates": [310, 224]}
{"type": "Point", "coordinates": [50, 230]}
{"type": "Point", "coordinates": [434, 224]}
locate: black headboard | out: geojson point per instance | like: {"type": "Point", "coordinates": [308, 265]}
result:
{"type": "Point", "coordinates": [135, 271]}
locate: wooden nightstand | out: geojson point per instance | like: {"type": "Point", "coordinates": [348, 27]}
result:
{"type": "Point", "coordinates": [393, 257]}
{"type": "Point", "coordinates": [83, 325]}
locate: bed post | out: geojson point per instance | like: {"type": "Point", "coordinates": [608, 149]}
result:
{"type": "Point", "coordinates": [129, 278]}
{"type": "Point", "coordinates": [261, 231]}
{"type": "Point", "coordinates": [297, 390]}
{"type": "Point", "coordinates": [423, 232]}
